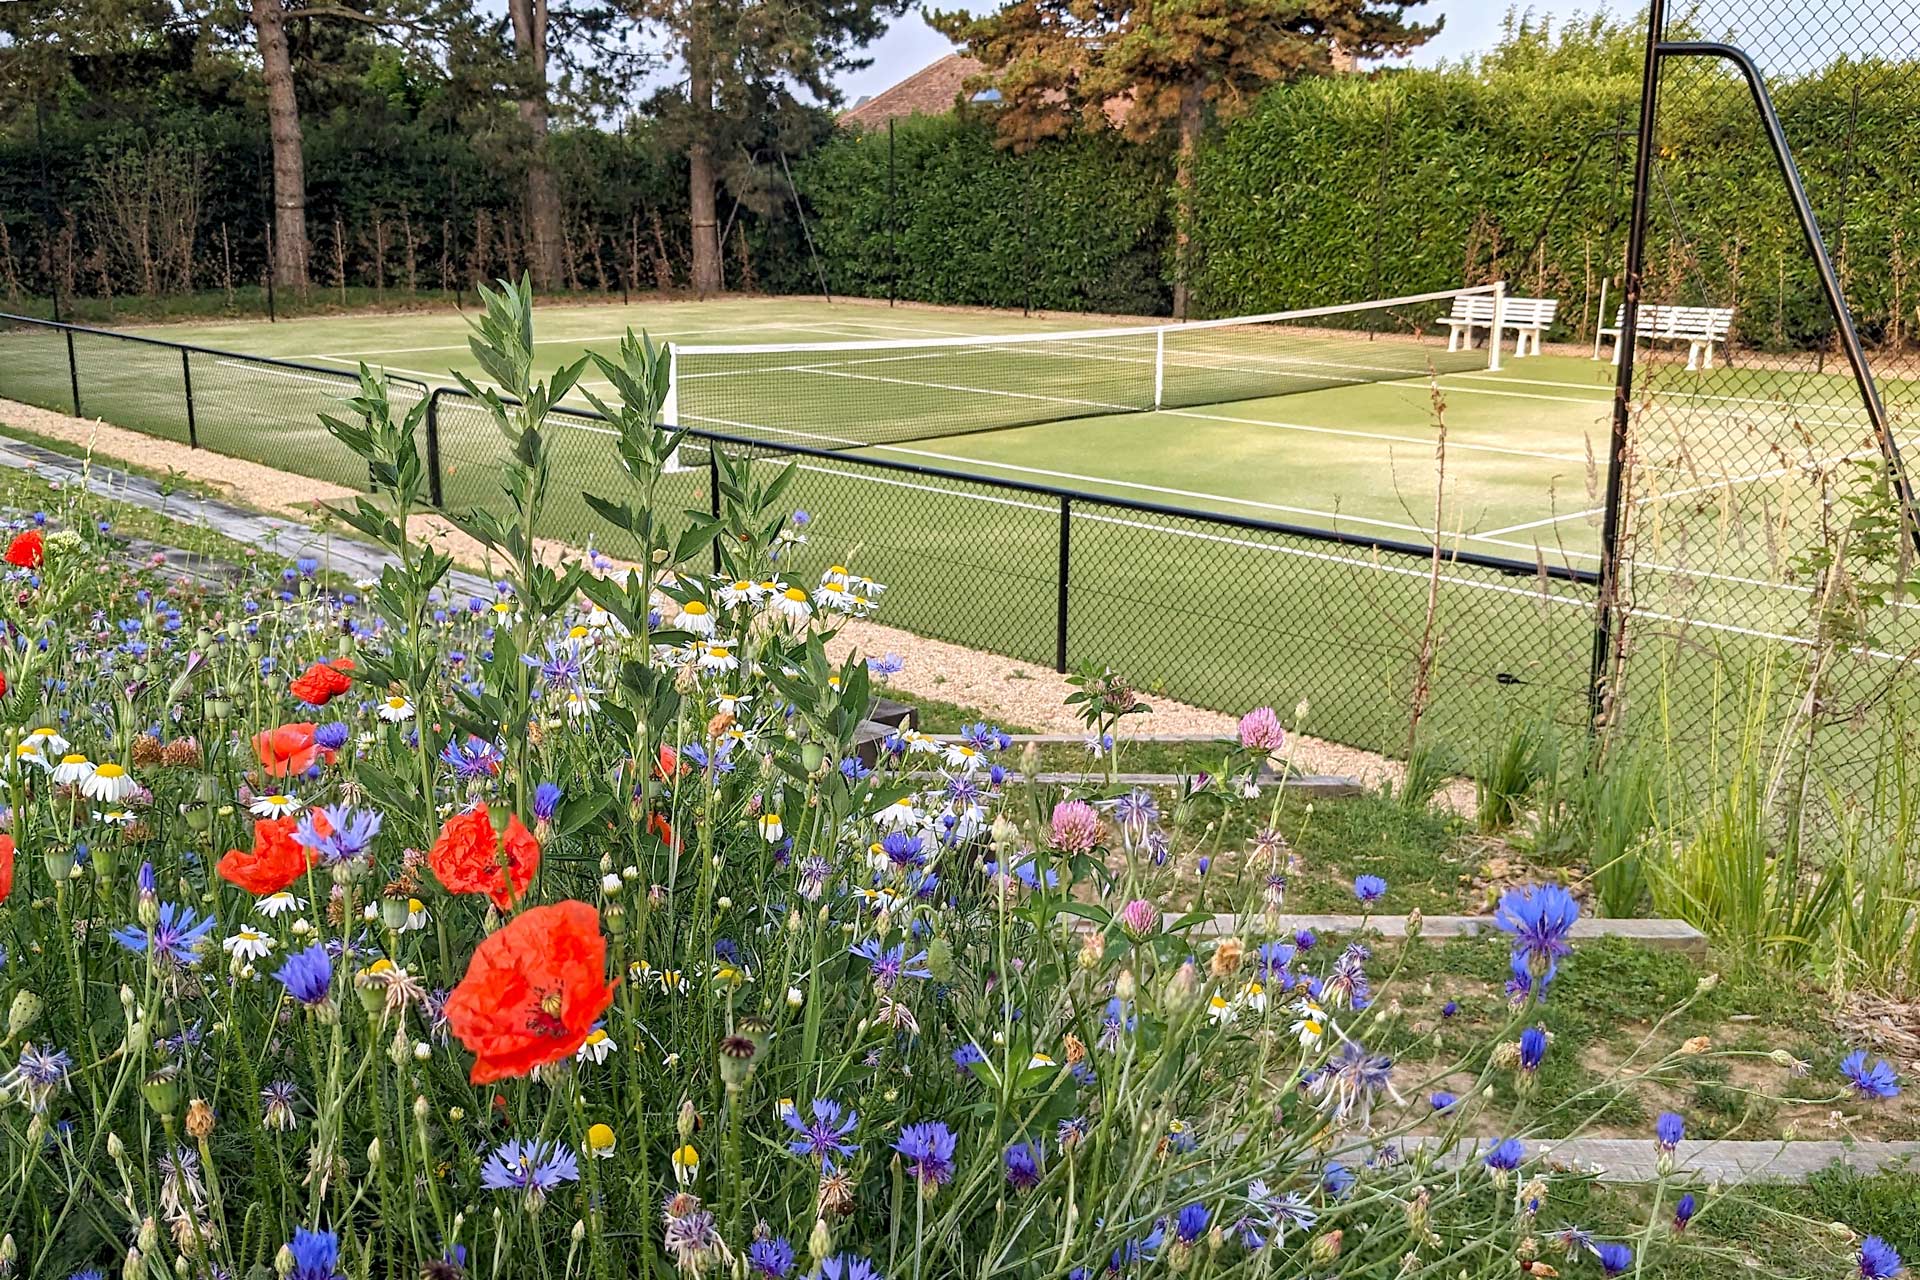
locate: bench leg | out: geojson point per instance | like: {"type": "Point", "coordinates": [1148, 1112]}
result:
{"type": "Point", "coordinates": [1709, 356]}
{"type": "Point", "coordinates": [1617, 339]}
{"type": "Point", "coordinates": [1693, 357]}
{"type": "Point", "coordinates": [1453, 337]}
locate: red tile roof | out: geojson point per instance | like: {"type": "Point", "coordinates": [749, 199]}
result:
{"type": "Point", "coordinates": [930, 91]}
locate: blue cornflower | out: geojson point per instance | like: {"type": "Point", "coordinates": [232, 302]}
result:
{"type": "Point", "coordinates": [40, 1075]}
{"type": "Point", "coordinates": [964, 1059]}
{"type": "Point", "coordinates": [316, 1255]}
{"type": "Point", "coordinates": [1614, 1258]}
{"type": "Point", "coordinates": [535, 1167]}
{"type": "Point", "coordinates": [1337, 1180]}
{"type": "Point", "coordinates": [330, 736]}
{"type": "Point", "coordinates": [350, 833]}
{"type": "Point", "coordinates": [1878, 1259]}
{"type": "Point", "coordinates": [1877, 1081]}
{"type": "Point", "coordinates": [890, 964]}
{"type": "Point", "coordinates": [1190, 1223]}
{"type": "Point", "coordinates": [904, 850]}
{"type": "Point", "coordinates": [1668, 1130]}
{"type": "Point", "coordinates": [546, 801]}
{"type": "Point", "coordinates": [1539, 917]}
{"type": "Point", "coordinates": [1441, 1100]}
{"type": "Point", "coordinates": [928, 1148]}
{"type": "Point", "coordinates": [1369, 889]}
{"type": "Point", "coordinates": [1026, 1164]}
{"type": "Point", "coordinates": [307, 565]}
{"type": "Point", "coordinates": [1507, 1156]}
{"type": "Point", "coordinates": [1533, 1048]}
{"type": "Point", "coordinates": [90, 1273]}
{"type": "Point", "coordinates": [824, 1137]}
{"type": "Point", "coordinates": [1450, 1009]}
{"type": "Point", "coordinates": [1683, 1212]}
{"type": "Point", "coordinates": [175, 937]}
{"type": "Point", "coordinates": [307, 975]}
{"type": "Point", "coordinates": [472, 760]}
{"type": "Point", "coordinates": [848, 1266]}
{"type": "Point", "coordinates": [891, 664]}
{"type": "Point", "coordinates": [772, 1259]}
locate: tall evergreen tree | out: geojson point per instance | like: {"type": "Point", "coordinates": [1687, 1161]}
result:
{"type": "Point", "coordinates": [1145, 66]}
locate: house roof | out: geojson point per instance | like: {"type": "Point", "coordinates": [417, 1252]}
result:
{"type": "Point", "coordinates": [930, 91]}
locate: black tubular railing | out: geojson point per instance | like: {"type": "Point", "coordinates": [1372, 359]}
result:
{"type": "Point", "coordinates": [1216, 609]}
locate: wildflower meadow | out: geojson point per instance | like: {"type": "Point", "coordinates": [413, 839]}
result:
{"type": "Point", "coordinates": [586, 927]}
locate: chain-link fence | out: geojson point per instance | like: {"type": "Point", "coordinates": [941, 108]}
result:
{"type": "Point", "coordinates": [1215, 610]}
{"type": "Point", "coordinates": [1763, 530]}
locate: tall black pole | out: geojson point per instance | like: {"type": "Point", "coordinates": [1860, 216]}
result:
{"type": "Point", "coordinates": [1609, 587]}
{"type": "Point", "coordinates": [893, 222]}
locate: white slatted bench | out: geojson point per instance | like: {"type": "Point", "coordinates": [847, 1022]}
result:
{"type": "Point", "coordinates": [1526, 317]}
{"type": "Point", "coordinates": [1698, 327]}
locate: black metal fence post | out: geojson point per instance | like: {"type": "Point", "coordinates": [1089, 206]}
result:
{"type": "Point", "coordinates": [435, 486]}
{"type": "Point", "coordinates": [73, 374]}
{"type": "Point", "coordinates": [1060, 621]}
{"type": "Point", "coordinates": [713, 494]}
{"type": "Point", "coordinates": [186, 381]}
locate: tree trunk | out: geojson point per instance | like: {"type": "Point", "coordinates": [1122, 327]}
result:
{"type": "Point", "coordinates": [700, 197]}
{"type": "Point", "coordinates": [543, 197]}
{"type": "Point", "coordinates": [1190, 119]}
{"type": "Point", "coordinates": [289, 162]}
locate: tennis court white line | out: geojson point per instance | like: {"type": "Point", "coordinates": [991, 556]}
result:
{"type": "Point", "coordinates": [1661, 393]}
{"type": "Point", "coordinates": [605, 337]}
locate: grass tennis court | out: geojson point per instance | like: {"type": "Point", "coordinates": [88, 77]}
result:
{"type": "Point", "coordinates": [1237, 617]}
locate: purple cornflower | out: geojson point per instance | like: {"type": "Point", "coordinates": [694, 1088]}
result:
{"type": "Point", "coordinates": [1190, 1223]}
{"type": "Point", "coordinates": [815, 871]}
{"type": "Point", "coordinates": [1026, 1164]}
{"type": "Point", "coordinates": [1539, 917]}
{"type": "Point", "coordinates": [40, 1075]}
{"type": "Point", "coordinates": [474, 759]}
{"type": "Point", "coordinates": [175, 937]}
{"type": "Point", "coordinates": [1878, 1259]}
{"type": "Point", "coordinates": [1533, 1048]}
{"type": "Point", "coordinates": [1668, 1130]}
{"type": "Point", "coordinates": [307, 975]}
{"type": "Point", "coordinates": [546, 801]}
{"type": "Point", "coordinates": [1683, 1212]}
{"type": "Point", "coordinates": [965, 1057]}
{"type": "Point", "coordinates": [928, 1148]}
{"type": "Point", "coordinates": [1614, 1258]}
{"type": "Point", "coordinates": [350, 833]}
{"type": "Point", "coordinates": [904, 850]}
{"type": "Point", "coordinates": [330, 736]}
{"type": "Point", "coordinates": [1506, 1157]}
{"type": "Point", "coordinates": [1369, 889]}
{"type": "Point", "coordinates": [316, 1255]}
{"type": "Point", "coordinates": [824, 1137]}
{"type": "Point", "coordinates": [772, 1259]}
{"type": "Point", "coordinates": [890, 964]}
{"type": "Point", "coordinates": [535, 1167]}
{"type": "Point", "coordinates": [1441, 1100]}
{"type": "Point", "coordinates": [1877, 1081]}
{"type": "Point", "coordinates": [848, 1266]}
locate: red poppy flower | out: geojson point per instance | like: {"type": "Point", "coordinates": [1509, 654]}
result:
{"type": "Point", "coordinates": [322, 682]}
{"type": "Point", "coordinates": [468, 857]}
{"type": "Point", "coordinates": [27, 550]}
{"type": "Point", "coordinates": [658, 824]}
{"type": "Point", "coordinates": [532, 991]}
{"type": "Point", "coordinates": [3, 684]}
{"type": "Point", "coordinates": [289, 749]}
{"type": "Point", "coordinates": [6, 867]}
{"type": "Point", "coordinates": [277, 859]}
{"type": "Point", "coordinates": [669, 763]}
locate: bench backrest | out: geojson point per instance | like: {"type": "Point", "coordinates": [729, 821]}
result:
{"type": "Point", "coordinates": [1521, 313]}
{"type": "Point", "coordinates": [1712, 324]}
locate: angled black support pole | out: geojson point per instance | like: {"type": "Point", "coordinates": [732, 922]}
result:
{"type": "Point", "coordinates": [1823, 263]}
{"type": "Point", "coordinates": [1609, 587]}
{"type": "Point", "coordinates": [1066, 578]}
{"type": "Point", "coordinates": [186, 383]}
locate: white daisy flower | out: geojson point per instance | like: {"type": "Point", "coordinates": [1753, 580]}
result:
{"type": "Point", "coordinates": [1254, 996]}
{"type": "Point", "coordinates": [718, 657]}
{"type": "Point", "coordinates": [736, 593]}
{"type": "Point", "coordinates": [833, 597]}
{"type": "Point", "coordinates": [835, 576]}
{"type": "Point", "coordinates": [395, 709]}
{"type": "Point", "coordinates": [417, 916]}
{"type": "Point", "coordinates": [771, 829]}
{"type": "Point", "coordinates": [731, 704]}
{"type": "Point", "coordinates": [275, 905]}
{"type": "Point", "coordinates": [278, 805]}
{"type": "Point", "coordinates": [47, 740]}
{"type": "Point", "coordinates": [249, 944]}
{"type": "Point", "coordinates": [899, 815]}
{"type": "Point", "coordinates": [696, 617]}
{"type": "Point", "coordinates": [792, 603]}
{"type": "Point", "coordinates": [1221, 1011]}
{"type": "Point", "coordinates": [960, 755]}
{"type": "Point", "coordinates": [72, 769]}
{"type": "Point", "coordinates": [596, 1046]}
{"type": "Point", "coordinates": [580, 704]}
{"type": "Point", "coordinates": [109, 784]}
{"type": "Point", "coordinates": [1311, 1025]}
{"type": "Point", "coordinates": [113, 817]}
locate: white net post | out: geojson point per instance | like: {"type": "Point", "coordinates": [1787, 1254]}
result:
{"type": "Point", "coordinates": [1499, 324]}
{"type": "Point", "coordinates": [1159, 366]}
{"type": "Point", "coordinates": [670, 405]}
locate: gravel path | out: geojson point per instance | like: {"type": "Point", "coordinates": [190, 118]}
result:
{"type": "Point", "coordinates": [1001, 688]}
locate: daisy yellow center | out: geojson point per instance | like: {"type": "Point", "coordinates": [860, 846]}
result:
{"type": "Point", "coordinates": [694, 607]}
{"type": "Point", "coordinates": [839, 569]}
{"type": "Point", "coordinates": [576, 632]}
{"type": "Point", "coordinates": [396, 703]}
{"type": "Point", "coordinates": [277, 799]}
{"type": "Point", "coordinates": [73, 759]}
{"type": "Point", "coordinates": [596, 1036]}
{"type": "Point", "coordinates": [415, 906]}
{"type": "Point", "coordinates": [380, 966]}
{"type": "Point", "coordinates": [719, 651]}
{"type": "Point", "coordinates": [109, 770]}
{"type": "Point", "coordinates": [600, 1136]}
{"type": "Point", "coordinates": [796, 594]}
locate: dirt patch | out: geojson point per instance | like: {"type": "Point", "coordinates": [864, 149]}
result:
{"type": "Point", "coordinates": [1002, 688]}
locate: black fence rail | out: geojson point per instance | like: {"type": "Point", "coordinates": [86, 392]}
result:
{"type": "Point", "coordinates": [1218, 610]}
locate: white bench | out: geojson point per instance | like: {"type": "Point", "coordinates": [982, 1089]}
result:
{"type": "Point", "coordinates": [1698, 327]}
{"type": "Point", "coordinates": [1527, 317]}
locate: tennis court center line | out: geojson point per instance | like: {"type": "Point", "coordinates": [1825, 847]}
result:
{"type": "Point", "coordinates": [1662, 393]}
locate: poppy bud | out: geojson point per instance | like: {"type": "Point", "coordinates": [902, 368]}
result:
{"type": "Point", "coordinates": [820, 1240]}
{"type": "Point", "coordinates": [24, 1012]}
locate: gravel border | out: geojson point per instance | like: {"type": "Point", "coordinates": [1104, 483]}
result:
{"type": "Point", "coordinates": [1000, 687]}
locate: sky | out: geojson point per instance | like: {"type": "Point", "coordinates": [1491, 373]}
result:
{"type": "Point", "coordinates": [1471, 25]}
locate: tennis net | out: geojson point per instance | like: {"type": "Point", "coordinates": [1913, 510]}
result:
{"type": "Point", "coordinates": [857, 394]}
